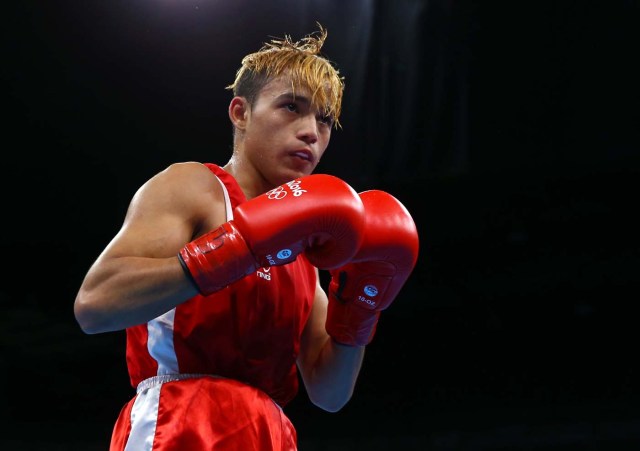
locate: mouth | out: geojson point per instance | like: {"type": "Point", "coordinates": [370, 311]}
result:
{"type": "Point", "coordinates": [303, 154]}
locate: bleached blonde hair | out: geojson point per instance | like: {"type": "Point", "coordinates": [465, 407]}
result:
{"type": "Point", "coordinates": [302, 62]}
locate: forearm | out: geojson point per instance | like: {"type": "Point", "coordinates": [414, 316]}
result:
{"type": "Point", "coordinates": [331, 383]}
{"type": "Point", "coordinates": [126, 291]}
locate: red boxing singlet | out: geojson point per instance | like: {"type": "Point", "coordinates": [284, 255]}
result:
{"type": "Point", "coordinates": [209, 372]}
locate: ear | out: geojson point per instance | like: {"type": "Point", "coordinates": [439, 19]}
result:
{"type": "Point", "coordinates": [238, 112]}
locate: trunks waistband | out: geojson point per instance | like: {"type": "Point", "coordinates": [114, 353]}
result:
{"type": "Point", "coordinates": [163, 378]}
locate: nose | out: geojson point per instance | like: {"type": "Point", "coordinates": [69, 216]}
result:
{"type": "Point", "coordinates": [308, 129]}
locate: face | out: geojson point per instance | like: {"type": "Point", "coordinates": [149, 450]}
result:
{"type": "Point", "coordinates": [284, 136]}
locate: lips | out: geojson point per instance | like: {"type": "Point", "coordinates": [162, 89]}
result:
{"type": "Point", "coordinates": [303, 154]}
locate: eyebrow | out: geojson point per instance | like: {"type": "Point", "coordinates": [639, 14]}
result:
{"type": "Point", "coordinates": [291, 96]}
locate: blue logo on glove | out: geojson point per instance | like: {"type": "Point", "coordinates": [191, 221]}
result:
{"type": "Point", "coordinates": [284, 254]}
{"type": "Point", "coordinates": [370, 290]}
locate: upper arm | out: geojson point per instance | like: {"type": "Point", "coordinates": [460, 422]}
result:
{"type": "Point", "coordinates": [137, 276]}
{"type": "Point", "coordinates": [168, 211]}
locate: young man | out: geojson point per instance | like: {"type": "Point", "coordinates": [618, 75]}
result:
{"type": "Point", "coordinates": [214, 273]}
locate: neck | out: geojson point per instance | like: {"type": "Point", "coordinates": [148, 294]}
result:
{"type": "Point", "coordinates": [251, 182]}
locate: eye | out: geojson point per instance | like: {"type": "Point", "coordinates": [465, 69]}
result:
{"type": "Point", "coordinates": [326, 119]}
{"type": "Point", "coordinates": [291, 107]}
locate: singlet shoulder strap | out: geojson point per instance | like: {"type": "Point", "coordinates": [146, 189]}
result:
{"type": "Point", "coordinates": [233, 193]}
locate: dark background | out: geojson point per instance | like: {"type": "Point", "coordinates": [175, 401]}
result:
{"type": "Point", "coordinates": [508, 129]}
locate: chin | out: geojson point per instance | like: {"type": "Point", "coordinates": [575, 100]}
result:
{"type": "Point", "coordinates": [299, 172]}
{"type": "Point", "coordinates": [287, 173]}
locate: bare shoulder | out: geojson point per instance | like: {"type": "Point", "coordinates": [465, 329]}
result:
{"type": "Point", "coordinates": [188, 190]}
{"type": "Point", "coordinates": [188, 175]}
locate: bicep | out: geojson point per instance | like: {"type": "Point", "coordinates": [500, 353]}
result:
{"type": "Point", "coordinates": [168, 211]}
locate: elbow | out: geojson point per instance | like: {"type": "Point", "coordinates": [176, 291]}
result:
{"type": "Point", "coordinates": [87, 316]}
{"type": "Point", "coordinates": [331, 407]}
{"type": "Point", "coordinates": [331, 404]}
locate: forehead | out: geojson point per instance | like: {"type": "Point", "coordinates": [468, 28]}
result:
{"type": "Point", "coordinates": [284, 85]}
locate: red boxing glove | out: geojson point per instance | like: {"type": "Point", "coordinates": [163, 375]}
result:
{"type": "Point", "coordinates": [318, 214]}
{"type": "Point", "coordinates": [361, 289]}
